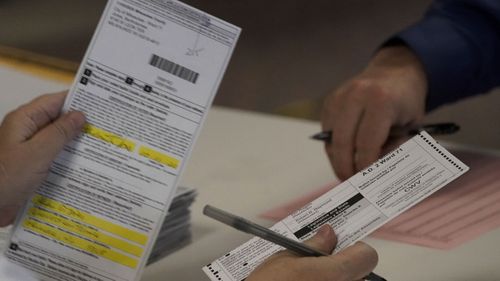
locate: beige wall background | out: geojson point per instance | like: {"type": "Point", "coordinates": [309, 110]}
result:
{"type": "Point", "coordinates": [291, 53]}
{"type": "Point", "coordinates": [479, 118]}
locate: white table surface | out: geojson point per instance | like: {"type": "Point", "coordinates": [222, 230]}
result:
{"type": "Point", "coordinates": [247, 163]}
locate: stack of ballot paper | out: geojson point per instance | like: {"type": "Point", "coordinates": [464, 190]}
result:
{"type": "Point", "coordinates": [175, 231]}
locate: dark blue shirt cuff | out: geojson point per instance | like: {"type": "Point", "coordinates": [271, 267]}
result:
{"type": "Point", "coordinates": [458, 43]}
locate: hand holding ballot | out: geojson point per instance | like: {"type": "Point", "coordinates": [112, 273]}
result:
{"type": "Point", "coordinates": [30, 138]}
{"type": "Point", "coordinates": [353, 263]}
{"type": "Point", "coordinates": [390, 92]}
{"type": "Point", "coordinates": [354, 209]}
{"type": "Point", "coordinates": [34, 134]}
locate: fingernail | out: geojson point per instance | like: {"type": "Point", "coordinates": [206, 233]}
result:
{"type": "Point", "coordinates": [325, 231]}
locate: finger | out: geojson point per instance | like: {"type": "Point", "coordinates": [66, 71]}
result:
{"type": "Point", "coordinates": [373, 132]}
{"type": "Point", "coordinates": [393, 143]}
{"type": "Point", "coordinates": [22, 123]}
{"type": "Point", "coordinates": [324, 241]}
{"type": "Point", "coordinates": [353, 263]}
{"type": "Point", "coordinates": [47, 143]}
{"type": "Point", "coordinates": [8, 215]}
{"type": "Point", "coordinates": [356, 261]}
{"type": "Point", "coordinates": [346, 117]}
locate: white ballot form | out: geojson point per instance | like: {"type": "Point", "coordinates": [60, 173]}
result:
{"type": "Point", "coordinates": [145, 85]}
{"type": "Point", "coordinates": [356, 207]}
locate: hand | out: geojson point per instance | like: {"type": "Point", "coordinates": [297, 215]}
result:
{"type": "Point", "coordinates": [353, 263]}
{"type": "Point", "coordinates": [390, 92]}
{"type": "Point", "coordinates": [30, 138]}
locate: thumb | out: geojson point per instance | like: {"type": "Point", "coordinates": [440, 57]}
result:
{"type": "Point", "coordinates": [324, 240]}
{"type": "Point", "coordinates": [49, 141]}
{"type": "Point", "coordinates": [358, 260]}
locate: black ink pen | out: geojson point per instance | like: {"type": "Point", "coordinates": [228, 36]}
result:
{"type": "Point", "coordinates": [271, 236]}
{"type": "Point", "coordinates": [432, 129]}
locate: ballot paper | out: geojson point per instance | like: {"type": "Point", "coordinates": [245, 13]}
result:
{"type": "Point", "coordinates": [174, 234]}
{"type": "Point", "coordinates": [356, 207]}
{"type": "Point", "coordinates": [145, 84]}
{"type": "Point", "coordinates": [457, 213]}
{"type": "Point", "coordinates": [175, 231]}
{"type": "Point", "coordinates": [13, 272]}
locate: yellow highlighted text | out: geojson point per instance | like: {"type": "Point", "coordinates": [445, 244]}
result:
{"type": "Point", "coordinates": [159, 157]}
{"type": "Point", "coordinates": [109, 137]}
{"type": "Point", "coordinates": [79, 243]}
{"type": "Point", "coordinates": [89, 219]}
{"type": "Point", "coordinates": [85, 231]}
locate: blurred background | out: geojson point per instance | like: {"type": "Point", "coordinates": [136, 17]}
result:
{"type": "Point", "coordinates": [291, 53]}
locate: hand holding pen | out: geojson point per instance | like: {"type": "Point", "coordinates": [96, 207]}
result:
{"type": "Point", "coordinates": [353, 263]}
{"type": "Point", "coordinates": [351, 154]}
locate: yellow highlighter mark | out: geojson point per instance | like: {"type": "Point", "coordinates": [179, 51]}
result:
{"type": "Point", "coordinates": [85, 231]}
{"type": "Point", "coordinates": [89, 219]}
{"type": "Point", "coordinates": [79, 243]}
{"type": "Point", "coordinates": [109, 137]}
{"type": "Point", "coordinates": [159, 157]}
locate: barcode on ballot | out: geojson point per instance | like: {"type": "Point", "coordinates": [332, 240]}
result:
{"type": "Point", "coordinates": [174, 69]}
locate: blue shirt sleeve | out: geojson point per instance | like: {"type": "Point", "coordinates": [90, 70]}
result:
{"type": "Point", "coordinates": [458, 42]}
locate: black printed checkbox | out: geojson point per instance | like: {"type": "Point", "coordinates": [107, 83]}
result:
{"type": "Point", "coordinates": [129, 81]}
{"type": "Point", "coordinates": [84, 80]}
{"type": "Point", "coordinates": [13, 246]}
{"type": "Point", "coordinates": [148, 89]}
{"type": "Point", "coordinates": [87, 72]}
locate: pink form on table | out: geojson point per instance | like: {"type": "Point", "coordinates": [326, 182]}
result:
{"type": "Point", "coordinates": [457, 213]}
